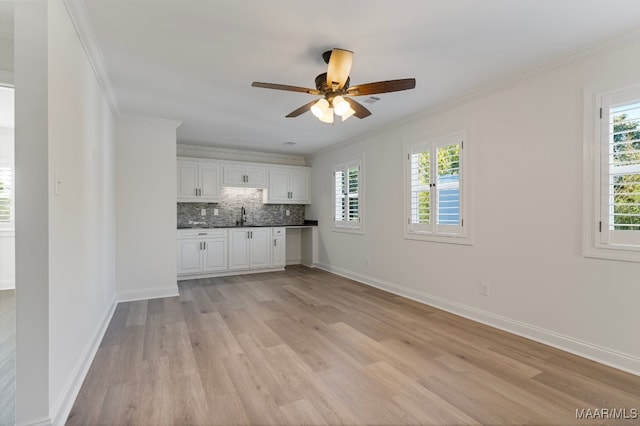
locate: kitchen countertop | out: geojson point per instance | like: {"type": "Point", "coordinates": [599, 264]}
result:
{"type": "Point", "coordinates": [306, 224]}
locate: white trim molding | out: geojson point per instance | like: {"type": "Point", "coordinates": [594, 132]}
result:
{"type": "Point", "coordinates": [606, 356]}
{"type": "Point", "coordinates": [150, 120]}
{"type": "Point", "coordinates": [147, 293]}
{"type": "Point", "coordinates": [221, 153]}
{"type": "Point", "coordinates": [79, 16]}
{"type": "Point", "coordinates": [45, 421]}
{"type": "Point", "coordinates": [7, 284]}
{"type": "Point", "coordinates": [62, 407]}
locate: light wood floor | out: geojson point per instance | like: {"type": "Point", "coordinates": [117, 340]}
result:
{"type": "Point", "coordinates": [7, 357]}
{"type": "Point", "coordinates": [308, 347]}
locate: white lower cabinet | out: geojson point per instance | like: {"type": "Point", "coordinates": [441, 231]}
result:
{"type": "Point", "coordinates": [278, 248]}
{"type": "Point", "coordinates": [202, 251]}
{"type": "Point", "coordinates": [207, 252]}
{"type": "Point", "coordinates": [215, 255]}
{"type": "Point", "coordinates": [249, 248]}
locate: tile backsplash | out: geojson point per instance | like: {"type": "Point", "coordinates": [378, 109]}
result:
{"type": "Point", "coordinates": [233, 199]}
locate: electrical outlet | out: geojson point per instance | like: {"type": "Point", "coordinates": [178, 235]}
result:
{"type": "Point", "coordinates": [366, 262]}
{"type": "Point", "coordinates": [203, 212]}
{"type": "Point", "coordinates": [287, 212]}
{"type": "Point", "coordinates": [216, 212]}
{"type": "Point", "coordinates": [484, 288]}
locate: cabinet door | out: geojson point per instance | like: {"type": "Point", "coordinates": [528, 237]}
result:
{"type": "Point", "coordinates": [238, 249]}
{"type": "Point", "coordinates": [188, 180]}
{"type": "Point", "coordinates": [233, 175]}
{"type": "Point", "coordinates": [256, 177]}
{"type": "Point", "coordinates": [260, 247]}
{"type": "Point", "coordinates": [299, 186]}
{"type": "Point", "coordinates": [209, 182]}
{"type": "Point", "coordinates": [215, 255]}
{"type": "Point", "coordinates": [278, 251]}
{"type": "Point", "coordinates": [278, 185]}
{"type": "Point", "coordinates": [189, 256]}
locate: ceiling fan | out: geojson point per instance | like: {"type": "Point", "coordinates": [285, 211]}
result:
{"type": "Point", "coordinates": [334, 88]}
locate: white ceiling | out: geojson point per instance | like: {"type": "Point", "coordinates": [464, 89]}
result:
{"type": "Point", "coordinates": [195, 60]}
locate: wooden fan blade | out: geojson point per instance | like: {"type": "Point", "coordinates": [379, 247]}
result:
{"type": "Point", "coordinates": [339, 68]}
{"type": "Point", "coordinates": [382, 87]}
{"type": "Point", "coordinates": [360, 111]}
{"type": "Point", "coordinates": [304, 108]}
{"type": "Point", "coordinates": [285, 87]}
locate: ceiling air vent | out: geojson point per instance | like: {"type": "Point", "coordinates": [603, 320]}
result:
{"type": "Point", "coordinates": [289, 143]}
{"type": "Point", "coordinates": [371, 100]}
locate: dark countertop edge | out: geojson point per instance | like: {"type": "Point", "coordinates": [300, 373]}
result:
{"type": "Point", "coordinates": [249, 226]}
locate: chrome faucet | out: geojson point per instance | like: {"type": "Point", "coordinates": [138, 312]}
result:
{"type": "Point", "coordinates": [243, 216]}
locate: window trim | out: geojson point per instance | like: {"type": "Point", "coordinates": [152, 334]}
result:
{"type": "Point", "coordinates": [593, 180]}
{"type": "Point", "coordinates": [345, 226]}
{"type": "Point", "coordinates": [465, 236]}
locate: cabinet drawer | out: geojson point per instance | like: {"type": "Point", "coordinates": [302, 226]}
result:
{"type": "Point", "coordinates": [201, 233]}
{"type": "Point", "coordinates": [277, 231]}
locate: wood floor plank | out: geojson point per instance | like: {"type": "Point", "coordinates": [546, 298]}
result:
{"type": "Point", "coordinates": [302, 412]}
{"type": "Point", "coordinates": [304, 346]}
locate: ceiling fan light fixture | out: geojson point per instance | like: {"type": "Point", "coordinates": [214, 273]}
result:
{"type": "Point", "coordinates": [348, 114]}
{"type": "Point", "coordinates": [340, 106]}
{"type": "Point", "coordinates": [319, 109]}
{"type": "Point", "coordinates": [328, 116]}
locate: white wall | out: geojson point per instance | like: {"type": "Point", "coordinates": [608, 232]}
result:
{"type": "Point", "coordinates": [525, 148]}
{"type": "Point", "coordinates": [32, 213]}
{"type": "Point", "coordinates": [146, 208]}
{"type": "Point", "coordinates": [82, 213]}
{"type": "Point", "coordinates": [65, 244]}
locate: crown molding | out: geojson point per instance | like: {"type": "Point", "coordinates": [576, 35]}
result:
{"type": "Point", "coordinates": [150, 120]}
{"type": "Point", "coordinates": [221, 153]}
{"type": "Point", "coordinates": [84, 29]}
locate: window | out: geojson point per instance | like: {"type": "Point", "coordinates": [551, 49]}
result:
{"type": "Point", "coordinates": [6, 195]}
{"type": "Point", "coordinates": [617, 170]}
{"type": "Point", "coordinates": [435, 202]}
{"type": "Point", "coordinates": [348, 200]}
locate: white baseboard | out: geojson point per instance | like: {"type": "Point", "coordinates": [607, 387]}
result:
{"type": "Point", "coordinates": [606, 356]}
{"type": "Point", "coordinates": [147, 293]}
{"type": "Point", "coordinates": [7, 284]}
{"type": "Point", "coordinates": [62, 407]}
{"type": "Point", "coordinates": [39, 422]}
{"type": "Point", "coordinates": [294, 261]}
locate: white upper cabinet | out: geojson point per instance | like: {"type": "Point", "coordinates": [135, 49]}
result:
{"type": "Point", "coordinates": [288, 185]}
{"type": "Point", "coordinates": [202, 180]}
{"type": "Point", "coordinates": [245, 176]}
{"type": "Point", "coordinates": [198, 181]}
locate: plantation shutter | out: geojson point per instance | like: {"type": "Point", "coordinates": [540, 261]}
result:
{"type": "Point", "coordinates": [448, 197]}
{"type": "Point", "coordinates": [620, 169]}
{"type": "Point", "coordinates": [340, 186]}
{"type": "Point", "coordinates": [353, 190]}
{"type": "Point", "coordinates": [347, 185]}
{"type": "Point", "coordinates": [435, 187]}
{"type": "Point", "coordinates": [420, 177]}
{"type": "Point", "coordinates": [6, 194]}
